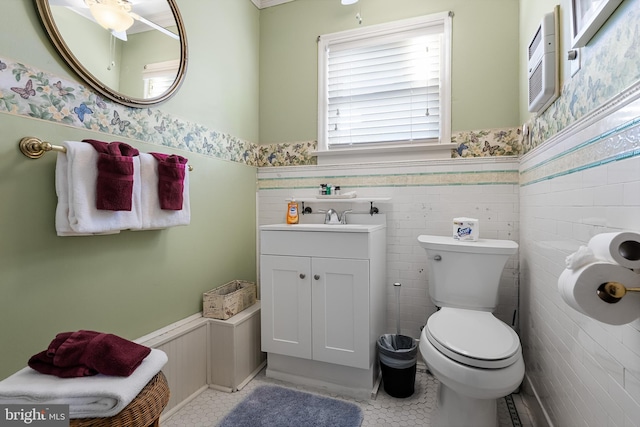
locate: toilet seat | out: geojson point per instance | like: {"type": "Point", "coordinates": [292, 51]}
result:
{"type": "Point", "coordinates": [474, 338]}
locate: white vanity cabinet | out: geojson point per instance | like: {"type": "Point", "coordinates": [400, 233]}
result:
{"type": "Point", "coordinates": [323, 294]}
{"type": "Point", "coordinates": [319, 308]}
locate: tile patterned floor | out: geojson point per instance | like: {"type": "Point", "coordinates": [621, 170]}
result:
{"type": "Point", "coordinates": [208, 408]}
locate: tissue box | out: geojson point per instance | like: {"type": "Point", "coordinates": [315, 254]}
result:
{"type": "Point", "coordinates": [229, 299]}
{"type": "Point", "coordinates": [466, 229]}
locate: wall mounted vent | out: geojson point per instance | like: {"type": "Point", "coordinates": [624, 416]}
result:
{"type": "Point", "coordinates": [543, 63]}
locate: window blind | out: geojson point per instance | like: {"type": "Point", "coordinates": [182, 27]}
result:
{"type": "Point", "coordinates": [159, 77]}
{"type": "Point", "coordinates": [385, 89]}
{"type": "Point", "coordinates": [157, 86]}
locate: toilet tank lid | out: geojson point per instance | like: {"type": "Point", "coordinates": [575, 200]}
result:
{"type": "Point", "coordinates": [487, 246]}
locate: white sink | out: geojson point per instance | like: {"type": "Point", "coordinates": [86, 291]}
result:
{"type": "Point", "coordinates": [339, 228]}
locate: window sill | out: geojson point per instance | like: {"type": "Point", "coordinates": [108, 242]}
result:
{"type": "Point", "coordinates": [384, 154]}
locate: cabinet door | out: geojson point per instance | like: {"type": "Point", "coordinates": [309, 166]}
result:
{"type": "Point", "coordinates": [340, 311]}
{"type": "Point", "coordinates": [285, 290]}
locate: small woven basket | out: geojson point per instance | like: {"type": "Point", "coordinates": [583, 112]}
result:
{"type": "Point", "coordinates": [143, 411]}
{"type": "Point", "coordinates": [229, 299]}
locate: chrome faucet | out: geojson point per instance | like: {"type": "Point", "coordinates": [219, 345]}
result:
{"type": "Point", "coordinates": [343, 216]}
{"type": "Point", "coordinates": [333, 217]}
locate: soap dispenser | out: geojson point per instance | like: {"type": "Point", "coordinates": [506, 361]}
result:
{"type": "Point", "coordinates": [292, 212]}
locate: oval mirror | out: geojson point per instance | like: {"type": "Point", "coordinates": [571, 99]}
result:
{"type": "Point", "coordinates": [131, 51]}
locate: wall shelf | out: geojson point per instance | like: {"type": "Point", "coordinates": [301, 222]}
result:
{"type": "Point", "coordinates": [341, 200]}
{"type": "Point", "coordinates": [370, 200]}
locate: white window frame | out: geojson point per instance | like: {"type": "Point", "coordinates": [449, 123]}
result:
{"type": "Point", "coordinates": [165, 71]}
{"type": "Point", "coordinates": [402, 150]}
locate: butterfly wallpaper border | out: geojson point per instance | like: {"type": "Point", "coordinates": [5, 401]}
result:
{"type": "Point", "coordinates": [29, 92]}
{"type": "Point", "coordinates": [33, 93]}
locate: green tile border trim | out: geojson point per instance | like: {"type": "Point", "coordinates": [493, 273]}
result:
{"type": "Point", "coordinates": [619, 143]}
{"type": "Point", "coordinates": [431, 179]}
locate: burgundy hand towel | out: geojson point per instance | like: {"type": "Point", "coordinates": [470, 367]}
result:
{"type": "Point", "coordinates": [43, 363]}
{"type": "Point", "coordinates": [71, 350]}
{"type": "Point", "coordinates": [55, 362]}
{"type": "Point", "coordinates": [111, 355]}
{"type": "Point", "coordinates": [171, 170]}
{"type": "Point", "coordinates": [57, 341]}
{"type": "Point", "coordinates": [115, 175]}
{"type": "Point", "coordinates": [83, 353]}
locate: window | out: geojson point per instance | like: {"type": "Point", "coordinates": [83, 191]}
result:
{"type": "Point", "coordinates": [385, 86]}
{"type": "Point", "coordinates": [159, 77]}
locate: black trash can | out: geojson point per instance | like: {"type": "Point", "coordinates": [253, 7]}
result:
{"type": "Point", "coordinates": [398, 358]}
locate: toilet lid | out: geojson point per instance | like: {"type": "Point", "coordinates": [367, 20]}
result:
{"type": "Point", "coordinates": [475, 338]}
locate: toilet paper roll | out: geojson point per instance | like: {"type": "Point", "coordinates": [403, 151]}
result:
{"type": "Point", "coordinates": [578, 289]}
{"type": "Point", "coordinates": [621, 247]}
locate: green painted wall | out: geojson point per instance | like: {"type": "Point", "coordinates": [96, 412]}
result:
{"type": "Point", "coordinates": [484, 66]}
{"type": "Point", "coordinates": [135, 282]}
{"type": "Point", "coordinates": [223, 73]}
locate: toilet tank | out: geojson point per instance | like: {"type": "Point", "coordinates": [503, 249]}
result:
{"type": "Point", "coordinates": [465, 274]}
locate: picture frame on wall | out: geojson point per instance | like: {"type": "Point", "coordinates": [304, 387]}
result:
{"type": "Point", "coordinates": [587, 16]}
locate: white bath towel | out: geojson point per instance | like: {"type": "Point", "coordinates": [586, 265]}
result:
{"type": "Point", "coordinates": [63, 228]}
{"type": "Point", "coordinates": [76, 178]}
{"type": "Point", "coordinates": [88, 397]}
{"type": "Point", "coordinates": [152, 216]}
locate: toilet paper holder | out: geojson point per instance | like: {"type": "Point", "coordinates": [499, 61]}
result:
{"type": "Point", "coordinates": [612, 292]}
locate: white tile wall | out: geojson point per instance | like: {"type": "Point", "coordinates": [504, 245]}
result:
{"type": "Point", "coordinates": [584, 372]}
{"type": "Point", "coordinates": [425, 197]}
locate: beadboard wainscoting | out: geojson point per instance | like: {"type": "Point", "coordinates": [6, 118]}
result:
{"type": "Point", "coordinates": [186, 344]}
{"type": "Point", "coordinates": [204, 353]}
{"type": "Point", "coordinates": [424, 199]}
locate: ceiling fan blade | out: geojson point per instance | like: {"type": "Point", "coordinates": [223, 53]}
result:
{"type": "Point", "coordinates": [122, 35]}
{"type": "Point", "coordinates": [62, 3]}
{"type": "Point", "coordinates": [153, 25]}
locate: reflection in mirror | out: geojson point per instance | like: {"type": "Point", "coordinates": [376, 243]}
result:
{"type": "Point", "coordinates": [131, 51]}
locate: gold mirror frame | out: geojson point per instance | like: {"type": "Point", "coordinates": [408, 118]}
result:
{"type": "Point", "coordinates": [46, 18]}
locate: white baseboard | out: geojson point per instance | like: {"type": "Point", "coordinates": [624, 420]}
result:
{"type": "Point", "coordinates": [536, 406]}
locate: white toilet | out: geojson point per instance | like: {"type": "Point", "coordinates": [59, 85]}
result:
{"type": "Point", "coordinates": [476, 357]}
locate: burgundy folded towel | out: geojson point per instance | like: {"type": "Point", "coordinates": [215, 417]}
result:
{"type": "Point", "coordinates": [115, 175]}
{"type": "Point", "coordinates": [84, 353]}
{"type": "Point", "coordinates": [42, 363]}
{"type": "Point", "coordinates": [171, 170]}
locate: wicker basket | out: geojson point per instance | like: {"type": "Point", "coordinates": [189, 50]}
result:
{"type": "Point", "coordinates": [143, 411]}
{"type": "Point", "coordinates": [229, 299]}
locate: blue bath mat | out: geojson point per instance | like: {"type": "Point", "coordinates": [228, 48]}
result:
{"type": "Point", "coordinates": [274, 406]}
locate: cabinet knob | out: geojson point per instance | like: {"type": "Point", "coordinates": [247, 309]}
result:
{"type": "Point", "coordinates": [317, 277]}
{"type": "Point", "coordinates": [437, 258]}
{"type": "Point", "coordinates": [302, 275]}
